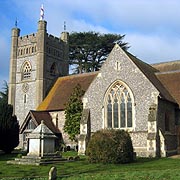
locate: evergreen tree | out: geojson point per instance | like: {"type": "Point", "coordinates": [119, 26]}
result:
{"type": "Point", "coordinates": [73, 111]}
{"type": "Point", "coordinates": [4, 93]}
{"type": "Point", "coordinates": [88, 50]}
{"type": "Point", "coordinates": [9, 128]}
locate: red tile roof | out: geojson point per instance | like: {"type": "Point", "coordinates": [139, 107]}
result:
{"type": "Point", "coordinates": [167, 66]}
{"type": "Point", "coordinates": [171, 82]}
{"type": "Point", "coordinates": [37, 117]}
{"type": "Point", "coordinates": [62, 89]}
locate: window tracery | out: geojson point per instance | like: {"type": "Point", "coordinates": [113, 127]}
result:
{"type": "Point", "coordinates": [26, 70]}
{"type": "Point", "coordinates": [118, 106]}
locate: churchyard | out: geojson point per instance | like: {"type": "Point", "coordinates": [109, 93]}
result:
{"type": "Point", "coordinates": [141, 169]}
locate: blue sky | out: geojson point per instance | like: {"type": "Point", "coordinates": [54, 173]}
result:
{"type": "Point", "coordinates": [152, 28]}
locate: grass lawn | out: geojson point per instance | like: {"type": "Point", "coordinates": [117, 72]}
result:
{"type": "Point", "coordinates": [142, 169]}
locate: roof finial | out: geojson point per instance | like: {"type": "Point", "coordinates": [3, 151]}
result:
{"type": "Point", "coordinates": [42, 13]}
{"type": "Point", "coordinates": [64, 25]}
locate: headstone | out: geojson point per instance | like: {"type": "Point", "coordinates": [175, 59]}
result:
{"type": "Point", "coordinates": [53, 173]}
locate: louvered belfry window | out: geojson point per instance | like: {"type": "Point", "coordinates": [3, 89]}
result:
{"type": "Point", "coordinates": [26, 70]}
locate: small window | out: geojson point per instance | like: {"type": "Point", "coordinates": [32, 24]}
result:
{"type": "Point", "coordinates": [24, 98]}
{"type": "Point", "coordinates": [53, 70]}
{"type": "Point", "coordinates": [167, 125]}
{"type": "Point", "coordinates": [31, 125]}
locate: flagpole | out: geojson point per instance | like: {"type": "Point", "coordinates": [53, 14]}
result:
{"type": "Point", "coordinates": [42, 13]}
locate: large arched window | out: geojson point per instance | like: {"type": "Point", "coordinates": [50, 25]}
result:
{"type": "Point", "coordinates": [119, 106]}
{"type": "Point", "coordinates": [26, 70]}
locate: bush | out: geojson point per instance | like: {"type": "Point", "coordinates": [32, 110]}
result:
{"type": "Point", "coordinates": [110, 146]}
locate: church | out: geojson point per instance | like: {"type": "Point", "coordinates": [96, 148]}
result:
{"type": "Point", "coordinates": [126, 93]}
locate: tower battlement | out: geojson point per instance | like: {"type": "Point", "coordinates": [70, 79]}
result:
{"type": "Point", "coordinates": [27, 45]}
{"type": "Point", "coordinates": [27, 39]}
{"type": "Point", "coordinates": [53, 38]}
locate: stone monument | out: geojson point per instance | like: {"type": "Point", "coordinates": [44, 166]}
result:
{"type": "Point", "coordinates": [41, 141]}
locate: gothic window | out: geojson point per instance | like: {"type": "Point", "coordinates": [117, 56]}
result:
{"type": "Point", "coordinates": [26, 71]}
{"type": "Point", "coordinates": [53, 70]}
{"type": "Point", "coordinates": [118, 106]}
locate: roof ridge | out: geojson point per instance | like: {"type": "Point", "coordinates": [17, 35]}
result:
{"type": "Point", "coordinates": [82, 74]}
{"type": "Point", "coordinates": [166, 62]}
{"type": "Point", "coordinates": [168, 72]}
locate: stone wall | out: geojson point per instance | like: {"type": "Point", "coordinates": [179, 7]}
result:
{"type": "Point", "coordinates": [60, 117]}
{"type": "Point", "coordinates": [143, 91]}
{"type": "Point", "coordinates": [25, 88]}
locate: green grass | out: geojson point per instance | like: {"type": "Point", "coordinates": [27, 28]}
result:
{"type": "Point", "coordinates": [142, 169]}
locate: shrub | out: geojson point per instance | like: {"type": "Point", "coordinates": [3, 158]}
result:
{"type": "Point", "coordinates": [110, 146]}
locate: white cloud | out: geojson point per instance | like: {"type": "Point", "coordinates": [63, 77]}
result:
{"type": "Point", "coordinates": [152, 28]}
{"type": "Point", "coordinates": [152, 48]}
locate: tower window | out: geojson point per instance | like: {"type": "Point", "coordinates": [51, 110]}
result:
{"type": "Point", "coordinates": [53, 70]}
{"type": "Point", "coordinates": [118, 107]}
{"type": "Point", "coordinates": [26, 70]}
{"type": "Point", "coordinates": [25, 98]}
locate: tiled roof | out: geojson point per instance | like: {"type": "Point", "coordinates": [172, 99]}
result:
{"type": "Point", "coordinates": [62, 89]}
{"type": "Point", "coordinates": [171, 81]}
{"type": "Point", "coordinates": [150, 73]}
{"type": "Point", "coordinates": [37, 117]}
{"type": "Point", "coordinates": [167, 66]}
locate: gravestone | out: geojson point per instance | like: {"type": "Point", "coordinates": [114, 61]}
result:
{"type": "Point", "coordinates": [53, 173]}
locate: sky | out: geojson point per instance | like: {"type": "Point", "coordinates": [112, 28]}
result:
{"type": "Point", "coordinates": [151, 27]}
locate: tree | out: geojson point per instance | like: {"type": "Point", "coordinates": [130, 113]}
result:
{"type": "Point", "coordinates": [9, 128]}
{"type": "Point", "coordinates": [88, 50]}
{"type": "Point", "coordinates": [73, 111]}
{"type": "Point", "coordinates": [4, 93]}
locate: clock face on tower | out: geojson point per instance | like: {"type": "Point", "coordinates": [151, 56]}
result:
{"type": "Point", "coordinates": [25, 87]}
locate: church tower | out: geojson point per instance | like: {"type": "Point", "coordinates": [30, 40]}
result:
{"type": "Point", "coordinates": [36, 61]}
